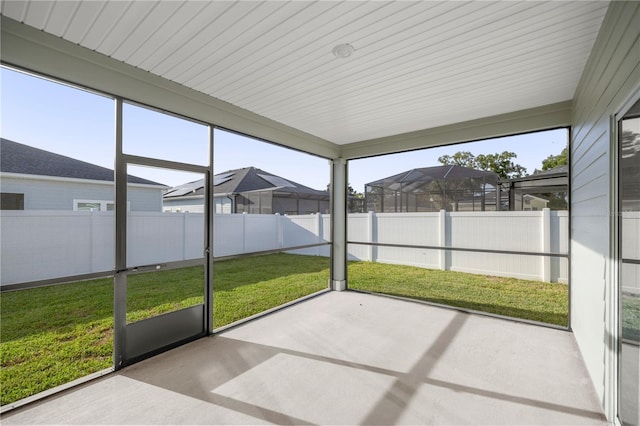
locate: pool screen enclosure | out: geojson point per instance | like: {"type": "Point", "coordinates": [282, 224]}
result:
{"type": "Point", "coordinates": [428, 189]}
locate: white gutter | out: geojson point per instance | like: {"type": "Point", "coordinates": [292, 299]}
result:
{"type": "Point", "coordinates": [76, 180]}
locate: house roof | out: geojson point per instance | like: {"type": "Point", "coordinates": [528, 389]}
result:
{"type": "Point", "coordinates": [556, 176]}
{"type": "Point", "coordinates": [535, 197]}
{"type": "Point", "coordinates": [424, 175]}
{"type": "Point", "coordinates": [24, 159]}
{"type": "Point", "coordinates": [560, 170]}
{"type": "Point", "coordinates": [247, 179]}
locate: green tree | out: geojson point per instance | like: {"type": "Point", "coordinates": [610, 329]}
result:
{"type": "Point", "coordinates": [557, 200]}
{"type": "Point", "coordinates": [500, 163]}
{"type": "Point", "coordinates": [355, 199]}
{"type": "Point", "coordinates": [553, 161]}
{"type": "Point", "coordinates": [350, 191]}
{"type": "Point", "coordinates": [460, 158]}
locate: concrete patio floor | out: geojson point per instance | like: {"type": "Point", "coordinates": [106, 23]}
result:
{"type": "Point", "coordinates": [345, 358]}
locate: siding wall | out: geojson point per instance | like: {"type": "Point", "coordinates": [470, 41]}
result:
{"type": "Point", "coordinates": [43, 194]}
{"type": "Point", "coordinates": [610, 77]}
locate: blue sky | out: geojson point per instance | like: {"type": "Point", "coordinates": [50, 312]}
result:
{"type": "Point", "coordinates": [80, 124]}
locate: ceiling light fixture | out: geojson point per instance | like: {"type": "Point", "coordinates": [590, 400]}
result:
{"type": "Point", "coordinates": [343, 50]}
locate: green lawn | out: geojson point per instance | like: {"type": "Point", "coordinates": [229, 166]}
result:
{"type": "Point", "coordinates": [532, 300]}
{"type": "Point", "coordinates": [631, 317]}
{"type": "Point", "coordinates": [52, 335]}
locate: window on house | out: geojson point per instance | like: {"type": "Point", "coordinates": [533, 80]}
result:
{"type": "Point", "coordinates": [89, 205]}
{"type": "Point", "coordinates": [10, 201]}
{"type": "Point", "coordinates": [93, 205]}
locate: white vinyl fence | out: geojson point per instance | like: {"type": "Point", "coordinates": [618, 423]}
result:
{"type": "Point", "coordinates": [41, 245]}
{"type": "Point", "coordinates": [529, 232]}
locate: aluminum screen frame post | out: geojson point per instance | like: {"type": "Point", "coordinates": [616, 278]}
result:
{"type": "Point", "coordinates": [209, 210]}
{"type": "Point", "coordinates": [339, 224]}
{"type": "Point", "coordinates": [120, 278]}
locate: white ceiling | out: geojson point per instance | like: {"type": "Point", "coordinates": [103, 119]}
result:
{"type": "Point", "coordinates": [416, 65]}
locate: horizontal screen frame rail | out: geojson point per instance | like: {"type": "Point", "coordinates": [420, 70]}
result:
{"type": "Point", "coordinates": [109, 273]}
{"type": "Point", "coordinates": [272, 251]}
{"type": "Point", "coordinates": [475, 250]}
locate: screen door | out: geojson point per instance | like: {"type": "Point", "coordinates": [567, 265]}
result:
{"type": "Point", "coordinates": [163, 232]}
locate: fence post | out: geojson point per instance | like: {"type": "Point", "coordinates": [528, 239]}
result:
{"type": "Point", "coordinates": [546, 244]}
{"type": "Point", "coordinates": [92, 263]}
{"type": "Point", "coordinates": [370, 225]}
{"type": "Point", "coordinates": [442, 239]}
{"type": "Point", "coordinates": [319, 233]}
{"type": "Point", "coordinates": [184, 235]}
{"type": "Point", "coordinates": [244, 232]}
{"type": "Point", "coordinates": [280, 230]}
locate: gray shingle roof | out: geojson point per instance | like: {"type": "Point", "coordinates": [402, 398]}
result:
{"type": "Point", "coordinates": [555, 171]}
{"type": "Point", "coordinates": [245, 180]}
{"type": "Point", "coordinates": [24, 159]}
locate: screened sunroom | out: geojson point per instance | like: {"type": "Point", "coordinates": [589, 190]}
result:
{"type": "Point", "coordinates": [165, 315]}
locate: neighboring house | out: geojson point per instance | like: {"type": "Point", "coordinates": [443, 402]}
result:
{"type": "Point", "coordinates": [249, 190]}
{"type": "Point", "coordinates": [35, 179]}
{"type": "Point", "coordinates": [533, 203]}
